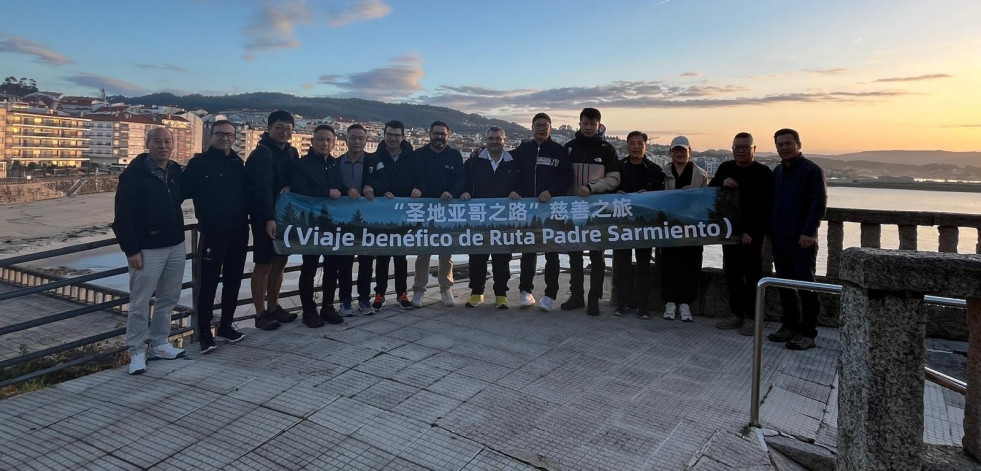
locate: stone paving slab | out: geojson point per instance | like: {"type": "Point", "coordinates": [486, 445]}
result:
{"type": "Point", "coordinates": [443, 388]}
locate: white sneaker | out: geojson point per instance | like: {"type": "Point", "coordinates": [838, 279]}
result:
{"type": "Point", "coordinates": [525, 299]}
{"type": "Point", "coordinates": [448, 298]}
{"type": "Point", "coordinates": [685, 312]}
{"type": "Point", "coordinates": [137, 363]}
{"type": "Point", "coordinates": [546, 304]}
{"type": "Point", "coordinates": [669, 311]}
{"type": "Point", "coordinates": [166, 352]}
{"type": "Point", "coordinates": [417, 299]}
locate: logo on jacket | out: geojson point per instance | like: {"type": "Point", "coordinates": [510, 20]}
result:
{"type": "Point", "coordinates": [598, 159]}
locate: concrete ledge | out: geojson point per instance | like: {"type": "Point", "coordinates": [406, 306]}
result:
{"type": "Point", "coordinates": [947, 458]}
{"type": "Point", "coordinates": [944, 274]}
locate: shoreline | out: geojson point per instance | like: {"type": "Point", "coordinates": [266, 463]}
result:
{"type": "Point", "coordinates": [916, 186]}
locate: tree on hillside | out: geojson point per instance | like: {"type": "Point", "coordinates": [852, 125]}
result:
{"type": "Point", "coordinates": [12, 86]}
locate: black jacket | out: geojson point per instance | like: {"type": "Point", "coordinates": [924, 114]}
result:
{"type": "Point", "coordinates": [442, 171]}
{"type": "Point", "coordinates": [315, 175]}
{"type": "Point", "coordinates": [217, 184]}
{"type": "Point", "coordinates": [594, 164]}
{"type": "Point", "coordinates": [651, 178]}
{"type": "Point", "coordinates": [398, 177]}
{"type": "Point", "coordinates": [148, 212]}
{"type": "Point", "coordinates": [482, 181]}
{"type": "Point", "coordinates": [543, 167]}
{"type": "Point", "coordinates": [755, 195]}
{"type": "Point", "coordinates": [800, 198]}
{"type": "Point", "coordinates": [269, 170]}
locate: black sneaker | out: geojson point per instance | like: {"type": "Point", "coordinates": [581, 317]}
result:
{"type": "Point", "coordinates": [265, 321]}
{"type": "Point", "coordinates": [378, 301]}
{"type": "Point", "coordinates": [620, 311]}
{"type": "Point", "coordinates": [799, 342]}
{"type": "Point", "coordinates": [282, 315]}
{"type": "Point", "coordinates": [592, 308]}
{"type": "Point", "coordinates": [312, 320]}
{"type": "Point", "coordinates": [643, 313]}
{"type": "Point", "coordinates": [404, 301]}
{"type": "Point", "coordinates": [208, 345]}
{"type": "Point", "coordinates": [228, 334]}
{"type": "Point", "coordinates": [330, 315]}
{"type": "Point", "coordinates": [574, 302]}
{"type": "Point", "coordinates": [782, 335]}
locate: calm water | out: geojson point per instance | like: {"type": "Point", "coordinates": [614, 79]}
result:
{"type": "Point", "coordinates": [840, 197]}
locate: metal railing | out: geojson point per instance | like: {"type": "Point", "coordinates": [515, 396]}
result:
{"type": "Point", "coordinates": [934, 376]}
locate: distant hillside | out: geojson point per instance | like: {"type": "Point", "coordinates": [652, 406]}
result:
{"type": "Point", "coordinates": [350, 108]}
{"type": "Point", "coordinates": [910, 157]}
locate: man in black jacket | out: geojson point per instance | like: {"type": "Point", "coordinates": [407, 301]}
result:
{"type": "Point", "coordinates": [596, 170]}
{"type": "Point", "coordinates": [545, 171]}
{"type": "Point", "coordinates": [800, 198]}
{"type": "Point", "coordinates": [269, 169]}
{"type": "Point", "coordinates": [149, 226]}
{"type": "Point", "coordinates": [397, 172]}
{"type": "Point", "coordinates": [443, 176]}
{"type": "Point", "coordinates": [637, 175]}
{"type": "Point", "coordinates": [743, 263]}
{"type": "Point", "coordinates": [215, 181]}
{"type": "Point", "coordinates": [316, 175]}
{"type": "Point", "coordinates": [492, 174]}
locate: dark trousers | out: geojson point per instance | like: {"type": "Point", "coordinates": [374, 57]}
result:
{"type": "Point", "coordinates": [597, 270]}
{"type": "Point", "coordinates": [632, 290]}
{"type": "Point", "coordinates": [529, 265]}
{"type": "Point", "coordinates": [478, 272]}
{"type": "Point", "coordinates": [338, 276]}
{"type": "Point", "coordinates": [308, 271]}
{"type": "Point", "coordinates": [794, 263]}
{"type": "Point", "coordinates": [221, 257]}
{"type": "Point", "coordinates": [381, 274]}
{"type": "Point", "coordinates": [680, 269]}
{"type": "Point", "coordinates": [365, 263]}
{"type": "Point", "coordinates": [743, 265]}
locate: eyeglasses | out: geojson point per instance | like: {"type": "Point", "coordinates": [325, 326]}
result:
{"type": "Point", "coordinates": [223, 135]}
{"type": "Point", "coordinates": [540, 125]}
{"type": "Point", "coordinates": [392, 136]}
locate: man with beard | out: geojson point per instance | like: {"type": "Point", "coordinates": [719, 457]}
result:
{"type": "Point", "coordinates": [800, 198]}
{"type": "Point", "coordinates": [595, 171]}
{"type": "Point", "coordinates": [443, 177]}
{"type": "Point", "coordinates": [269, 169]}
{"type": "Point", "coordinates": [215, 181]}
{"type": "Point", "coordinates": [743, 263]}
{"type": "Point", "coordinates": [397, 172]}
{"type": "Point", "coordinates": [316, 175]}
{"type": "Point", "coordinates": [545, 171]}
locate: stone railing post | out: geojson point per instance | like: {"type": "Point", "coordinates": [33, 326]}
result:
{"type": "Point", "coordinates": [871, 235]}
{"type": "Point", "coordinates": [948, 239]}
{"type": "Point", "coordinates": [972, 400]}
{"type": "Point", "coordinates": [880, 418]}
{"type": "Point", "coordinates": [836, 240]}
{"type": "Point", "coordinates": [907, 237]}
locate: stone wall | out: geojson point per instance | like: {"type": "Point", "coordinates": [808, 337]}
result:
{"type": "Point", "coordinates": [22, 192]}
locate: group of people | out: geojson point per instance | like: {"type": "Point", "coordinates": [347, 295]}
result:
{"type": "Point", "coordinates": [232, 195]}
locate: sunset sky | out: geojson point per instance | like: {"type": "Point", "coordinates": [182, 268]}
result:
{"type": "Point", "coordinates": [849, 75]}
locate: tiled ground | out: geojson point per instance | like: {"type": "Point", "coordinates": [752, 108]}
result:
{"type": "Point", "coordinates": [442, 389]}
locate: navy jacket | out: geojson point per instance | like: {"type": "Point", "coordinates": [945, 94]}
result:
{"type": "Point", "coordinates": [398, 177]}
{"type": "Point", "coordinates": [315, 175]}
{"type": "Point", "coordinates": [442, 171]}
{"type": "Point", "coordinates": [800, 198]}
{"type": "Point", "coordinates": [148, 212]}
{"type": "Point", "coordinates": [269, 170]}
{"type": "Point", "coordinates": [650, 179]}
{"type": "Point", "coordinates": [482, 181]}
{"type": "Point", "coordinates": [755, 195]}
{"type": "Point", "coordinates": [217, 184]}
{"type": "Point", "coordinates": [543, 167]}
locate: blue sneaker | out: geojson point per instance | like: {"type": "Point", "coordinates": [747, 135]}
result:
{"type": "Point", "coordinates": [346, 309]}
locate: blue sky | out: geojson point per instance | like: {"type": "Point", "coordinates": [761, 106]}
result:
{"type": "Point", "coordinates": [903, 72]}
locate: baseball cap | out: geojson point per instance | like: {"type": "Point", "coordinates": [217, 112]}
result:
{"type": "Point", "coordinates": [680, 141]}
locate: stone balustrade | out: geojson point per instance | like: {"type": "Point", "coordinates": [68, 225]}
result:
{"type": "Point", "coordinates": [883, 328]}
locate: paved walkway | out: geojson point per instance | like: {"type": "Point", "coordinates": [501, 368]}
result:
{"type": "Point", "coordinates": [443, 389]}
